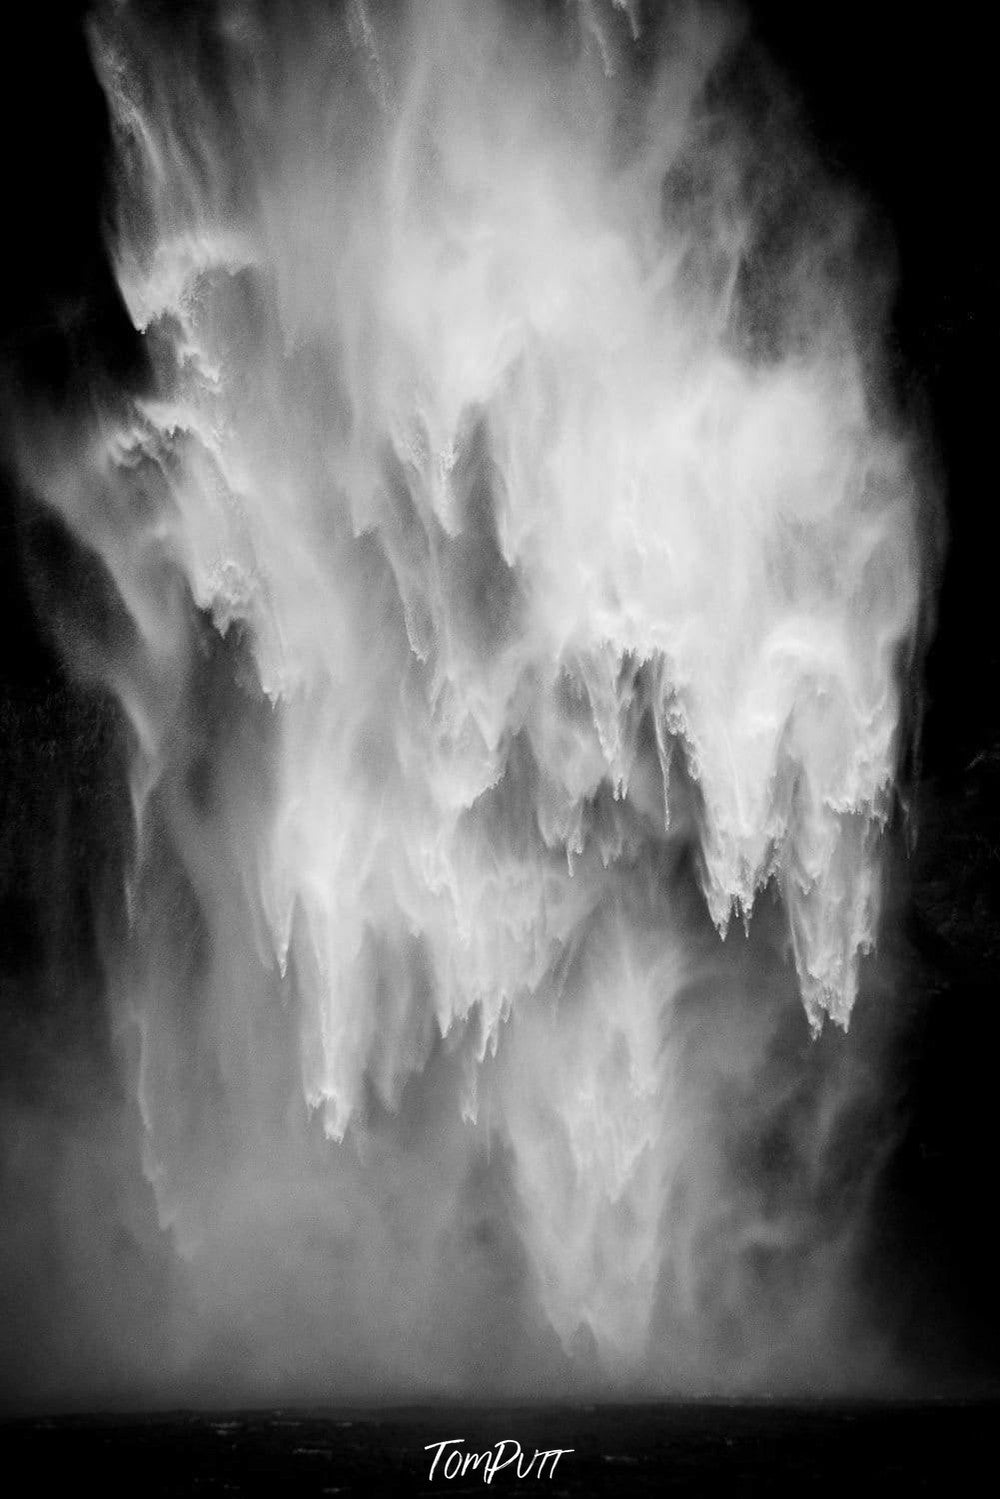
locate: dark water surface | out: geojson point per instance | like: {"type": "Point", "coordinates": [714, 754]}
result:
{"type": "Point", "coordinates": [694, 1448]}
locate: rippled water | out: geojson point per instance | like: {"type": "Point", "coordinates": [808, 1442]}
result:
{"type": "Point", "coordinates": [697, 1448]}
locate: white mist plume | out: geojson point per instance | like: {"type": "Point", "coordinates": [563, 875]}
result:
{"type": "Point", "coordinates": [514, 418]}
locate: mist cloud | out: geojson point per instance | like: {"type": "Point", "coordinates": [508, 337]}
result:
{"type": "Point", "coordinates": [519, 566]}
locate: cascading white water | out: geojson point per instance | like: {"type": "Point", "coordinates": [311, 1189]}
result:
{"type": "Point", "coordinates": [522, 562]}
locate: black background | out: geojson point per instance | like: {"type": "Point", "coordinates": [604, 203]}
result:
{"type": "Point", "coordinates": [900, 99]}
